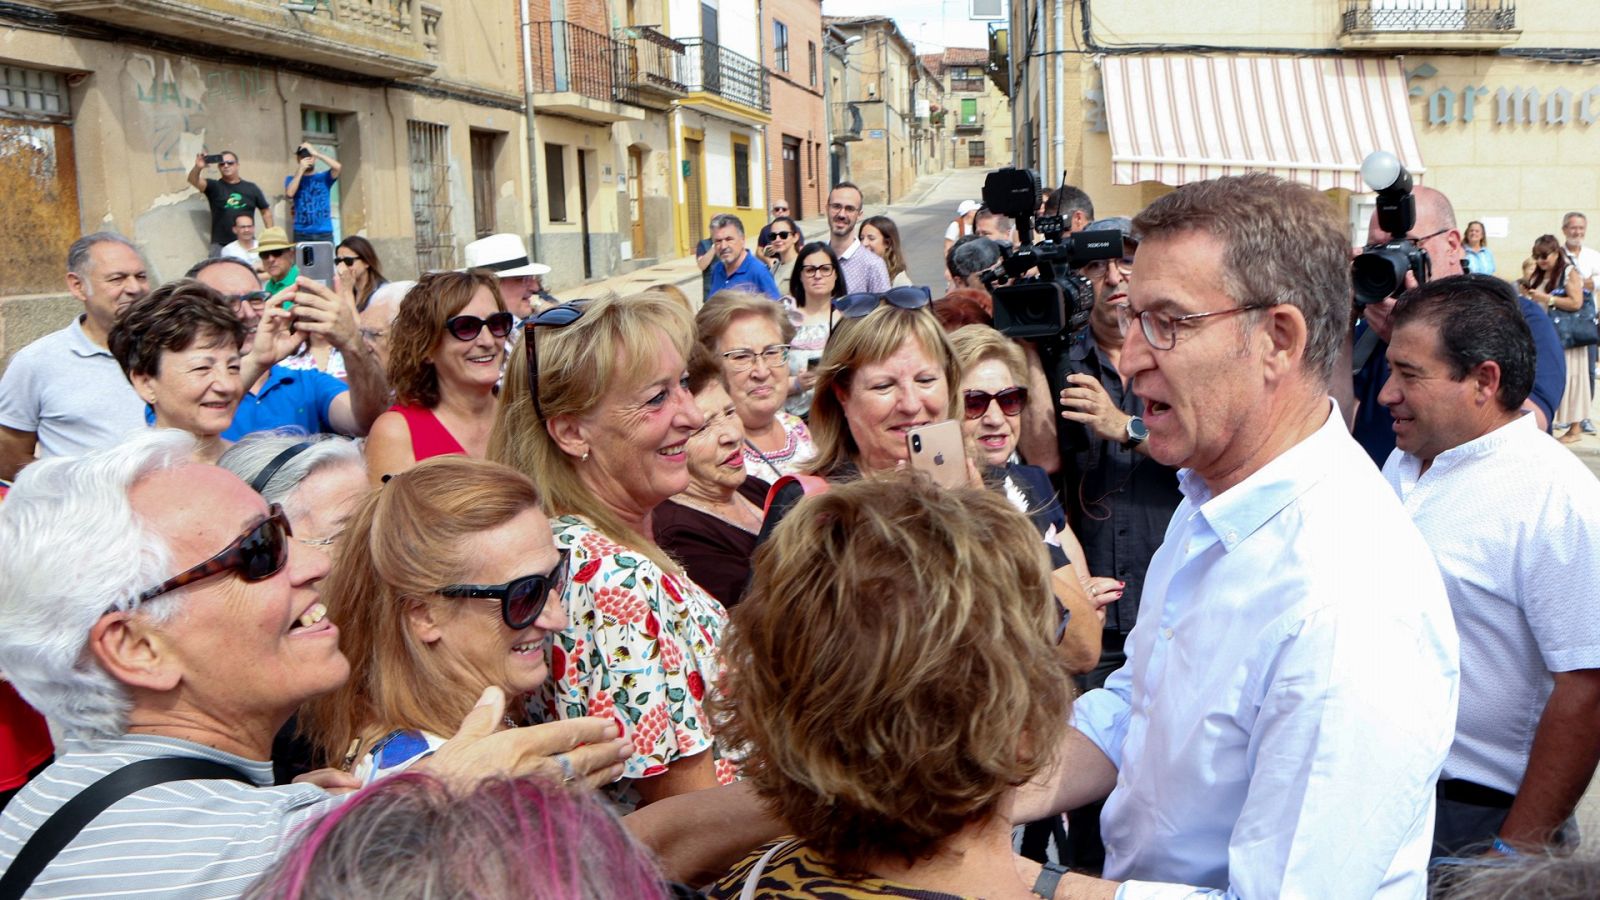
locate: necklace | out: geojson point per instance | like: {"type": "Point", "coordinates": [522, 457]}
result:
{"type": "Point", "coordinates": [730, 512]}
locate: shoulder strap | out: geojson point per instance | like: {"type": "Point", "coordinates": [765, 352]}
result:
{"type": "Point", "coordinates": [809, 484]}
{"type": "Point", "coordinates": [753, 880]}
{"type": "Point", "coordinates": [59, 830]}
{"type": "Point", "coordinates": [1050, 876]}
{"type": "Point", "coordinates": [1364, 348]}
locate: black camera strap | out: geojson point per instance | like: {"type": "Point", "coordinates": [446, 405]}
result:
{"type": "Point", "coordinates": [59, 830]}
{"type": "Point", "coordinates": [1364, 349]}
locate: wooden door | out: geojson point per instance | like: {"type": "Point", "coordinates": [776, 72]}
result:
{"type": "Point", "coordinates": [692, 157]}
{"type": "Point", "coordinates": [793, 187]}
{"type": "Point", "coordinates": [636, 200]}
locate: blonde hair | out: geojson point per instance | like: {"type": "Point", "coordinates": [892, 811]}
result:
{"type": "Point", "coordinates": [861, 342]}
{"type": "Point", "coordinates": [901, 695]}
{"type": "Point", "coordinates": [723, 308]}
{"type": "Point", "coordinates": [603, 349]}
{"type": "Point", "coordinates": [405, 541]}
{"type": "Point", "coordinates": [975, 344]}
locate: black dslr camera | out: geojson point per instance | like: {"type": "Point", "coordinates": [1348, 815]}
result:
{"type": "Point", "coordinates": [1056, 300]}
{"type": "Point", "coordinates": [1380, 271]}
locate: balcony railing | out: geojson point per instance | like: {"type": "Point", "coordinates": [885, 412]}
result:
{"type": "Point", "coordinates": [844, 122]}
{"type": "Point", "coordinates": [971, 85]}
{"type": "Point", "coordinates": [568, 57]}
{"type": "Point", "coordinates": [717, 70]}
{"type": "Point", "coordinates": [652, 68]}
{"type": "Point", "coordinates": [1376, 16]}
{"type": "Point", "coordinates": [969, 121]}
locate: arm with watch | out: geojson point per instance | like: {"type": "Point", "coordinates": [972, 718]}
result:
{"type": "Point", "coordinates": [1084, 400]}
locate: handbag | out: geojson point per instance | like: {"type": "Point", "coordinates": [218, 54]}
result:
{"type": "Point", "coordinates": [62, 826]}
{"type": "Point", "coordinates": [1576, 328]}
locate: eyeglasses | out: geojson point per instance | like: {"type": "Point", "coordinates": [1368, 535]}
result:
{"type": "Point", "coordinates": [856, 305]}
{"type": "Point", "coordinates": [229, 162]}
{"type": "Point", "coordinates": [373, 334]}
{"type": "Point", "coordinates": [1098, 267]}
{"type": "Point", "coordinates": [1011, 401]}
{"type": "Point", "coordinates": [782, 235]}
{"type": "Point", "coordinates": [843, 207]}
{"type": "Point", "coordinates": [780, 209]}
{"type": "Point", "coordinates": [258, 554]}
{"type": "Point", "coordinates": [347, 260]}
{"type": "Point", "coordinates": [523, 599]}
{"type": "Point", "coordinates": [555, 317]}
{"type": "Point", "coordinates": [1161, 330]}
{"type": "Point", "coordinates": [257, 299]}
{"type": "Point", "coordinates": [744, 359]}
{"type": "Point", "coordinates": [271, 254]}
{"type": "Point", "coordinates": [823, 271]}
{"type": "Point", "coordinates": [465, 328]}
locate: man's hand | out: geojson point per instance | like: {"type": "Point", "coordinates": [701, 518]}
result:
{"type": "Point", "coordinates": [590, 748]}
{"type": "Point", "coordinates": [1087, 402]}
{"type": "Point", "coordinates": [318, 310]}
{"type": "Point", "coordinates": [275, 339]}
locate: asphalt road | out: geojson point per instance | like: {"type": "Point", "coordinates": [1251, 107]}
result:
{"type": "Point", "coordinates": [923, 221]}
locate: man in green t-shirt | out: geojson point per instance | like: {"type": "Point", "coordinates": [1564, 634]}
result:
{"type": "Point", "coordinates": [277, 257]}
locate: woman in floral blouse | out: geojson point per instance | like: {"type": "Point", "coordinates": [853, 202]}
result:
{"type": "Point", "coordinates": [602, 431]}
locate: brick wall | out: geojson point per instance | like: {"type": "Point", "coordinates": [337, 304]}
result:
{"type": "Point", "coordinates": [798, 112]}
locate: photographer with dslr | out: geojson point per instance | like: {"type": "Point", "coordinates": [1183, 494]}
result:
{"type": "Point", "coordinates": [1413, 238]}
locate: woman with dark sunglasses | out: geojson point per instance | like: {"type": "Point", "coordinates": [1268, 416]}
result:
{"type": "Point", "coordinates": [783, 250]}
{"type": "Point", "coordinates": [357, 264]}
{"type": "Point", "coordinates": [446, 349]}
{"type": "Point", "coordinates": [448, 583]}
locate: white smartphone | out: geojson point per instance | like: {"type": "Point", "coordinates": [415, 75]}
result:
{"type": "Point", "coordinates": [938, 450]}
{"type": "Point", "coordinates": [315, 259]}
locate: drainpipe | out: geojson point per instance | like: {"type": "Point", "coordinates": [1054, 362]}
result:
{"type": "Point", "coordinates": [1042, 96]}
{"type": "Point", "coordinates": [1059, 139]}
{"type": "Point", "coordinates": [533, 140]}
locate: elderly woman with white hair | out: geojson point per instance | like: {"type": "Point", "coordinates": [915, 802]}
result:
{"type": "Point", "coordinates": [160, 615]}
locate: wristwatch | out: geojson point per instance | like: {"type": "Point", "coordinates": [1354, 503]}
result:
{"type": "Point", "coordinates": [1137, 433]}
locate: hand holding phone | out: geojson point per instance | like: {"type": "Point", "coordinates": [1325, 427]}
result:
{"type": "Point", "coordinates": [938, 450]}
{"type": "Point", "coordinates": [315, 259]}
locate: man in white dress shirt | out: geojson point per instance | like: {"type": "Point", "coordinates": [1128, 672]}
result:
{"type": "Point", "coordinates": [1290, 689]}
{"type": "Point", "coordinates": [1514, 521]}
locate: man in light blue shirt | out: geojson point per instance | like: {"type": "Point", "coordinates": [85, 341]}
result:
{"type": "Point", "coordinates": [735, 266]}
{"type": "Point", "coordinates": [1290, 690]}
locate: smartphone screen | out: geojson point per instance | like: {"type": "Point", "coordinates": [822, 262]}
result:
{"type": "Point", "coordinates": [213, 158]}
{"type": "Point", "coordinates": [937, 449]}
{"type": "Point", "coordinates": [315, 259]}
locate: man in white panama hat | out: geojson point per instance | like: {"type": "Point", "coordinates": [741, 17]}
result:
{"type": "Point", "coordinates": [506, 256]}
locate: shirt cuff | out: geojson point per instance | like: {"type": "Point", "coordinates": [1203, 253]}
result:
{"type": "Point", "coordinates": [1102, 716]}
{"type": "Point", "coordinates": [1155, 890]}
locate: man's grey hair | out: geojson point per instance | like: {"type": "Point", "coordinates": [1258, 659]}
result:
{"type": "Point", "coordinates": [387, 299]}
{"type": "Point", "coordinates": [254, 452]}
{"type": "Point", "coordinates": [71, 548]}
{"type": "Point", "coordinates": [726, 220]}
{"type": "Point", "coordinates": [78, 254]}
{"type": "Point", "coordinates": [1573, 215]}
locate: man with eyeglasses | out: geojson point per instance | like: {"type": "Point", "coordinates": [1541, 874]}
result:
{"type": "Point", "coordinates": [863, 270]}
{"type": "Point", "coordinates": [738, 269]}
{"type": "Point", "coordinates": [1436, 233]}
{"type": "Point", "coordinates": [228, 195]}
{"type": "Point", "coordinates": [1290, 690]}
{"type": "Point", "coordinates": [64, 394]}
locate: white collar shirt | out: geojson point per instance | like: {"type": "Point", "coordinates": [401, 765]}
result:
{"type": "Point", "coordinates": [1289, 695]}
{"type": "Point", "coordinates": [863, 271]}
{"type": "Point", "coordinates": [1513, 518]}
{"type": "Point", "coordinates": [1587, 260]}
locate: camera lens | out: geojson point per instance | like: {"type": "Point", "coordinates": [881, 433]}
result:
{"type": "Point", "coordinates": [1378, 274]}
{"type": "Point", "coordinates": [916, 443]}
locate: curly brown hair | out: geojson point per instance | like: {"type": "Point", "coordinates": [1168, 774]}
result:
{"type": "Point", "coordinates": [897, 697]}
{"type": "Point", "coordinates": [419, 326]}
{"type": "Point", "coordinates": [170, 319]}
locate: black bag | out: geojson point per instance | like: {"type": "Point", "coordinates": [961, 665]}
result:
{"type": "Point", "coordinates": [1577, 329]}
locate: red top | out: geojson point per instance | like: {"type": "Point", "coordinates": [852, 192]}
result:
{"type": "Point", "coordinates": [24, 739]}
{"type": "Point", "coordinates": [429, 437]}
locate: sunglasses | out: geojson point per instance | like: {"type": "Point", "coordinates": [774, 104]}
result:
{"type": "Point", "coordinates": [856, 305]}
{"type": "Point", "coordinates": [782, 235]}
{"type": "Point", "coordinates": [271, 254]}
{"type": "Point", "coordinates": [554, 317]}
{"type": "Point", "coordinates": [347, 260]}
{"type": "Point", "coordinates": [779, 209]}
{"type": "Point", "coordinates": [256, 555]}
{"type": "Point", "coordinates": [465, 328]}
{"type": "Point", "coordinates": [1011, 401]}
{"type": "Point", "coordinates": [521, 599]}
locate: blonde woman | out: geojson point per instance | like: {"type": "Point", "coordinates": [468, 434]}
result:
{"type": "Point", "coordinates": [595, 411]}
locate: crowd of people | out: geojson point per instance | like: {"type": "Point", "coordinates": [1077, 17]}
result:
{"type": "Point", "coordinates": [446, 588]}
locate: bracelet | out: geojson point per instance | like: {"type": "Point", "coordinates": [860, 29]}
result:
{"type": "Point", "coordinates": [1505, 849]}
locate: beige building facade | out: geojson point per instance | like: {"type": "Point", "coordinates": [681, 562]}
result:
{"type": "Point", "coordinates": [879, 105]}
{"type": "Point", "coordinates": [1494, 98]}
{"type": "Point", "coordinates": [979, 111]}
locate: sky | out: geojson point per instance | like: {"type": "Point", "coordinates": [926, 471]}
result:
{"type": "Point", "coordinates": [931, 24]}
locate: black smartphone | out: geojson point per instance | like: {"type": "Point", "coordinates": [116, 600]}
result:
{"type": "Point", "coordinates": [812, 362]}
{"type": "Point", "coordinates": [302, 152]}
{"type": "Point", "coordinates": [213, 159]}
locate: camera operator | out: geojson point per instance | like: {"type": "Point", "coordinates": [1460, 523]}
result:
{"type": "Point", "coordinates": [1435, 233]}
{"type": "Point", "coordinates": [974, 261]}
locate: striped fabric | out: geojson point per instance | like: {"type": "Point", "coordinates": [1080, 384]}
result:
{"type": "Point", "coordinates": [1177, 119]}
{"type": "Point", "coordinates": [183, 839]}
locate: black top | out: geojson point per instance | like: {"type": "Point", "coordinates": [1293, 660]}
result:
{"type": "Point", "coordinates": [228, 201]}
{"type": "Point", "coordinates": [714, 553]}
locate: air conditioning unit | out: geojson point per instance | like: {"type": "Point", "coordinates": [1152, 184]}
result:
{"type": "Point", "coordinates": [986, 10]}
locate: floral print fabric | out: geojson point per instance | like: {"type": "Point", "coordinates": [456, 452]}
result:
{"type": "Point", "coordinates": [640, 647]}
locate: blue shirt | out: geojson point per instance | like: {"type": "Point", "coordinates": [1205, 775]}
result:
{"type": "Point", "coordinates": [751, 275]}
{"type": "Point", "coordinates": [291, 398]}
{"type": "Point", "coordinates": [1480, 262]}
{"type": "Point", "coordinates": [1374, 428]}
{"type": "Point", "coordinates": [313, 212]}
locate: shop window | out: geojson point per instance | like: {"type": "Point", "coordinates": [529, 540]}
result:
{"type": "Point", "coordinates": [741, 173]}
{"type": "Point", "coordinates": [780, 45]}
{"type": "Point", "coordinates": [430, 195]}
{"type": "Point", "coordinates": [555, 181]}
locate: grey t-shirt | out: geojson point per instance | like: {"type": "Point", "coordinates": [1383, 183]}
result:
{"type": "Point", "coordinates": [181, 839]}
{"type": "Point", "coordinates": [70, 393]}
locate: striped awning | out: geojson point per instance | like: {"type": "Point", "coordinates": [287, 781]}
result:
{"type": "Point", "coordinates": [1177, 119]}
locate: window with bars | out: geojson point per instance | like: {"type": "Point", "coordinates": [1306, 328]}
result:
{"type": "Point", "coordinates": [430, 195]}
{"type": "Point", "coordinates": [780, 45]}
{"type": "Point", "coordinates": [741, 173]}
{"type": "Point", "coordinates": [33, 93]}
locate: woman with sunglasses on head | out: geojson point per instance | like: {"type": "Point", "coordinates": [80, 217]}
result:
{"type": "Point", "coordinates": [595, 411]}
{"type": "Point", "coordinates": [748, 335]}
{"type": "Point", "coordinates": [447, 584]}
{"type": "Point", "coordinates": [816, 280]}
{"type": "Point", "coordinates": [880, 235]}
{"type": "Point", "coordinates": [446, 347]}
{"type": "Point", "coordinates": [783, 251]}
{"type": "Point", "coordinates": [357, 264]}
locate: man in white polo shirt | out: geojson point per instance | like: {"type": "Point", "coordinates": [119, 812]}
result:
{"type": "Point", "coordinates": [1513, 519]}
{"type": "Point", "coordinates": [63, 394]}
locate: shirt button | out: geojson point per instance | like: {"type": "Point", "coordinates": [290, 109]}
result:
{"type": "Point", "coordinates": [1166, 633]}
{"type": "Point", "coordinates": [1233, 536]}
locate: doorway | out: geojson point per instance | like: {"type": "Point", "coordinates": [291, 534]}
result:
{"type": "Point", "coordinates": [583, 211]}
{"type": "Point", "coordinates": [792, 191]}
{"type": "Point", "coordinates": [636, 200]}
{"type": "Point", "coordinates": [693, 152]}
